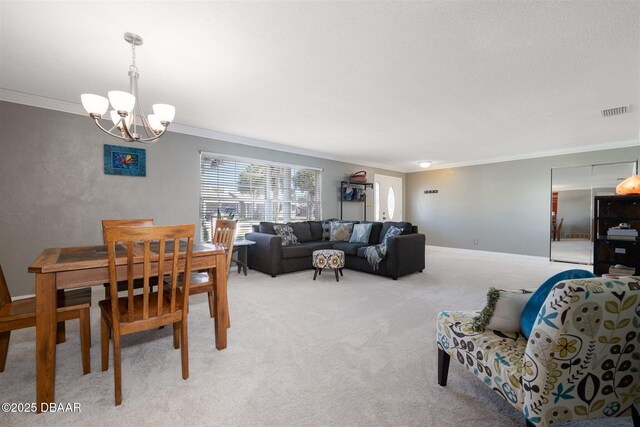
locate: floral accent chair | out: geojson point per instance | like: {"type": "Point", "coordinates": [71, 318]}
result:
{"type": "Point", "coordinates": [582, 360]}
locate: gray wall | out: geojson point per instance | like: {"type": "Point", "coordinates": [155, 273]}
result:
{"type": "Point", "coordinates": [575, 207]}
{"type": "Point", "coordinates": [54, 191]}
{"type": "Point", "coordinates": [504, 206]}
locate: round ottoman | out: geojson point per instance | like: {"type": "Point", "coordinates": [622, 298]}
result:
{"type": "Point", "coordinates": [328, 258]}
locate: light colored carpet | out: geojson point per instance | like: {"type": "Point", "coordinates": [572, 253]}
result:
{"type": "Point", "coordinates": [361, 352]}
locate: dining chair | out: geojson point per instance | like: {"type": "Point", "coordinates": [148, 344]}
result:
{"type": "Point", "coordinates": [21, 313]}
{"type": "Point", "coordinates": [224, 232]}
{"type": "Point", "coordinates": [122, 285]}
{"type": "Point", "coordinates": [148, 310]}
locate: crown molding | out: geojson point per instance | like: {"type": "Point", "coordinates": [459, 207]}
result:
{"type": "Point", "coordinates": [32, 100]}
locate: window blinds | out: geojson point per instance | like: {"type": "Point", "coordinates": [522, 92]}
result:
{"type": "Point", "coordinates": [255, 191]}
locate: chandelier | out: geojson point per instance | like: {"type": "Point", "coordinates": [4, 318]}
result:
{"type": "Point", "coordinates": [129, 121]}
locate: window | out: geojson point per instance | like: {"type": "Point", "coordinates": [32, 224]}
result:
{"type": "Point", "coordinates": [255, 190]}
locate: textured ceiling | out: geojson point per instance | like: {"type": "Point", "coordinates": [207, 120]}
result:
{"type": "Point", "coordinates": [383, 83]}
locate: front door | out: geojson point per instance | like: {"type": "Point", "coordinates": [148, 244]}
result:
{"type": "Point", "coordinates": [387, 197]}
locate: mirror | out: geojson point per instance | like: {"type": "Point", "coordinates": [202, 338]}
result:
{"type": "Point", "coordinates": [572, 193]}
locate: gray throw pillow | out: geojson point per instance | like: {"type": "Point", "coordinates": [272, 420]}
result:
{"type": "Point", "coordinates": [286, 232]}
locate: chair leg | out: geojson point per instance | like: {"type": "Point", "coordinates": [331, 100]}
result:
{"type": "Point", "coordinates": [635, 416]}
{"type": "Point", "coordinates": [61, 333]}
{"type": "Point", "coordinates": [443, 366]}
{"type": "Point", "coordinates": [315, 274]}
{"type": "Point", "coordinates": [341, 272]}
{"type": "Point", "coordinates": [212, 304]}
{"type": "Point", "coordinates": [4, 348]}
{"type": "Point", "coordinates": [104, 343]}
{"type": "Point", "coordinates": [117, 375]}
{"type": "Point", "coordinates": [184, 350]}
{"type": "Point", "coordinates": [337, 277]}
{"type": "Point", "coordinates": [85, 340]}
{"type": "Point", "coordinates": [176, 336]}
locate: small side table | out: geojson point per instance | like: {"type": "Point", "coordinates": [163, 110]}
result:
{"type": "Point", "coordinates": [241, 247]}
{"type": "Point", "coordinates": [328, 258]}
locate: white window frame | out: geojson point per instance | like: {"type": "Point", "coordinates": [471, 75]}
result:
{"type": "Point", "coordinates": [277, 198]}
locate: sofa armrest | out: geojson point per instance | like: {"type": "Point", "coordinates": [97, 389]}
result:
{"type": "Point", "coordinates": [405, 254]}
{"type": "Point", "coordinates": [582, 359]}
{"type": "Point", "coordinates": [266, 254]}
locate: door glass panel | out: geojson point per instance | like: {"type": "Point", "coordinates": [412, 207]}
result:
{"type": "Point", "coordinates": [391, 202]}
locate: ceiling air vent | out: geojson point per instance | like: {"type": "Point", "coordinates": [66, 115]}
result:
{"type": "Point", "coordinates": [615, 111]}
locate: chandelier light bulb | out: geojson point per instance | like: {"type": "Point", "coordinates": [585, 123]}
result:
{"type": "Point", "coordinates": [122, 101]}
{"type": "Point", "coordinates": [155, 124]}
{"type": "Point", "coordinates": [164, 112]}
{"type": "Point", "coordinates": [94, 104]}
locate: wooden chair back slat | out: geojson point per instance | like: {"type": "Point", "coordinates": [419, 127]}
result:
{"type": "Point", "coordinates": [161, 254]}
{"type": "Point", "coordinates": [224, 232]}
{"type": "Point", "coordinates": [133, 236]}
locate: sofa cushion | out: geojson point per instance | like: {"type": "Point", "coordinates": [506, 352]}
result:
{"type": "Point", "coordinates": [301, 230]}
{"type": "Point", "coordinates": [349, 248]}
{"type": "Point", "coordinates": [316, 230]}
{"type": "Point", "coordinates": [535, 303]}
{"type": "Point", "coordinates": [376, 228]}
{"type": "Point", "coordinates": [340, 231]}
{"type": "Point", "coordinates": [286, 232]}
{"type": "Point", "coordinates": [321, 244]}
{"type": "Point", "coordinates": [361, 233]}
{"type": "Point", "coordinates": [406, 228]}
{"type": "Point", "coordinates": [267, 227]}
{"type": "Point", "coordinates": [296, 251]}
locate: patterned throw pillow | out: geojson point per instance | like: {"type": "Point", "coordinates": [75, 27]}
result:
{"type": "Point", "coordinates": [503, 310]}
{"type": "Point", "coordinates": [341, 231]}
{"type": "Point", "coordinates": [326, 228]}
{"type": "Point", "coordinates": [286, 232]}
{"type": "Point", "coordinates": [361, 233]}
{"type": "Point", "coordinates": [392, 232]}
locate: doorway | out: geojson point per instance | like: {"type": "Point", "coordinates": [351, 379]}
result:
{"type": "Point", "coordinates": [572, 193]}
{"type": "Point", "coordinates": [387, 198]}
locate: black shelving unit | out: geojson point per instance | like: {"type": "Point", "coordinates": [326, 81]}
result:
{"type": "Point", "coordinates": [356, 185]}
{"type": "Point", "coordinates": [610, 211]}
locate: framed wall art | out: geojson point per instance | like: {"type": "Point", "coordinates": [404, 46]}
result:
{"type": "Point", "coordinates": [125, 161]}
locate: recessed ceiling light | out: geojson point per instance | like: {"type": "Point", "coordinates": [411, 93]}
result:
{"type": "Point", "coordinates": [424, 164]}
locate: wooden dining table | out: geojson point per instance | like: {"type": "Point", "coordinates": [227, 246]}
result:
{"type": "Point", "coordinates": [57, 269]}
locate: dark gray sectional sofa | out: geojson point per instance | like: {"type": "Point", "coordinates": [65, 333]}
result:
{"type": "Point", "coordinates": [405, 253]}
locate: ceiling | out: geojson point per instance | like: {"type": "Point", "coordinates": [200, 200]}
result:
{"type": "Point", "coordinates": [379, 83]}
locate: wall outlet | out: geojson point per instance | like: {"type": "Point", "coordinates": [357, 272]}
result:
{"type": "Point", "coordinates": [475, 242]}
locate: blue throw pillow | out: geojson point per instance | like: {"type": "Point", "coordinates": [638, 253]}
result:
{"type": "Point", "coordinates": [361, 233]}
{"type": "Point", "coordinates": [530, 312]}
